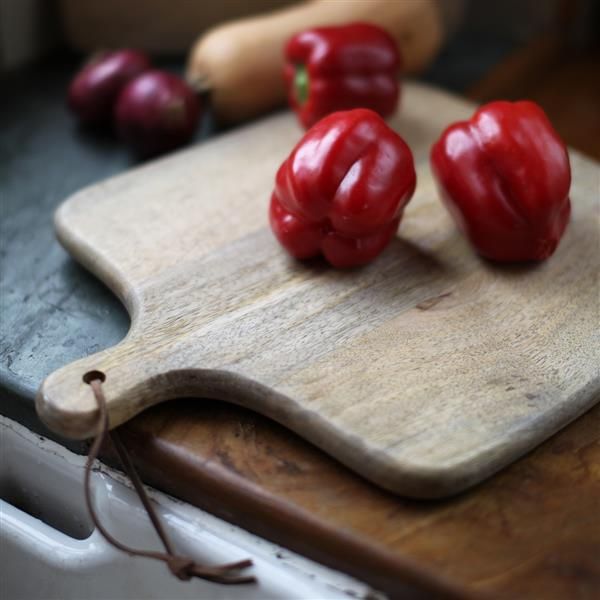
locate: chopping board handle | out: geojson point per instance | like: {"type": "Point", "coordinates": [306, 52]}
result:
{"type": "Point", "coordinates": [131, 383]}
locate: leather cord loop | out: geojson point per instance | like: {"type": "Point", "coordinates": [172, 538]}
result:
{"type": "Point", "coordinates": [182, 567]}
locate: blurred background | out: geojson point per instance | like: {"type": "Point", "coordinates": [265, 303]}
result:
{"type": "Point", "coordinates": [545, 51]}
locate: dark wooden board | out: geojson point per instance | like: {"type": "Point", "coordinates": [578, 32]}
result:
{"type": "Point", "coordinates": [532, 531]}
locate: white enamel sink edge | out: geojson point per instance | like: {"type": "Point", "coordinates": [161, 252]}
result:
{"type": "Point", "coordinates": [47, 479]}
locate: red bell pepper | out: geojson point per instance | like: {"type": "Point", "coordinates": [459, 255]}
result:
{"type": "Point", "coordinates": [505, 176]}
{"type": "Point", "coordinates": [342, 190]}
{"type": "Point", "coordinates": [339, 68]}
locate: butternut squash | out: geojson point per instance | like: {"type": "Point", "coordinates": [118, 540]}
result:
{"type": "Point", "coordinates": [241, 62]}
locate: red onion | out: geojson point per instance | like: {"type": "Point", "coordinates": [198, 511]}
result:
{"type": "Point", "coordinates": [157, 112]}
{"type": "Point", "coordinates": [95, 89]}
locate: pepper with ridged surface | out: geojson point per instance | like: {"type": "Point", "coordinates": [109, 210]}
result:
{"type": "Point", "coordinates": [505, 177]}
{"type": "Point", "coordinates": [339, 68]}
{"type": "Point", "coordinates": [342, 190]}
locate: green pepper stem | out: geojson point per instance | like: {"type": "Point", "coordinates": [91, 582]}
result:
{"type": "Point", "coordinates": [301, 84]}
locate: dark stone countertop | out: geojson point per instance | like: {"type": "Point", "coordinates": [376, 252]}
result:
{"type": "Point", "coordinates": [52, 311]}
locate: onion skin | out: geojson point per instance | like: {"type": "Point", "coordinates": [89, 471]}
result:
{"type": "Point", "coordinates": [94, 90]}
{"type": "Point", "coordinates": [156, 113]}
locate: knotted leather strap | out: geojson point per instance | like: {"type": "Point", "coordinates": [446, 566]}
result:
{"type": "Point", "coordinates": [182, 567]}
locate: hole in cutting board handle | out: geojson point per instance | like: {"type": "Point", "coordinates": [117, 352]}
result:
{"type": "Point", "coordinates": [94, 376]}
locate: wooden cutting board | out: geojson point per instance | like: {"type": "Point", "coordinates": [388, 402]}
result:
{"type": "Point", "coordinates": [425, 371]}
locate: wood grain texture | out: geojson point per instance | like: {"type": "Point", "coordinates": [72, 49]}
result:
{"type": "Point", "coordinates": [531, 531]}
{"type": "Point", "coordinates": [425, 371]}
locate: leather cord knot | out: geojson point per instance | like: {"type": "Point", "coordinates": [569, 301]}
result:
{"type": "Point", "coordinates": [181, 567]}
